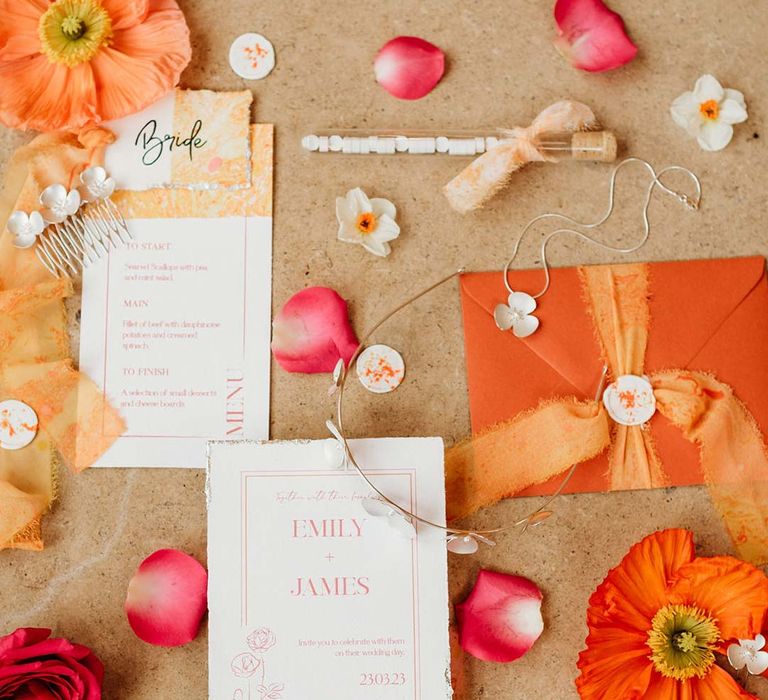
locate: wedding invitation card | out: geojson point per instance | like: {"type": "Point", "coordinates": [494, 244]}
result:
{"type": "Point", "coordinates": [309, 595]}
{"type": "Point", "coordinates": [175, 325]}
{"type": "Point", "coordinates": [191, 138]}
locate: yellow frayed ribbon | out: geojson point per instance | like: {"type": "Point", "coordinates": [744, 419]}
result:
{"type": "Point", "coordinates": [35, 364]}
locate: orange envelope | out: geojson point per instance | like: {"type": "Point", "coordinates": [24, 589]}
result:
{"type": "Point", "coordinates": [704, 315]}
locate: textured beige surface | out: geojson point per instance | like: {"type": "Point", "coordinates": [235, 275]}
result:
{"type": "Point", "coordinates": [502, 70]}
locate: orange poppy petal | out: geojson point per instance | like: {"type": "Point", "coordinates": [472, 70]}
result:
{"type": "Point", "coordinates": [614, 665]}
{"type": "Point", "coordinates": [733, 592]}
{"type": "Point", "coordinates": [143, 62]}
{"type": "Point", "coordinates": [716, 685]}
{"type": "Point", "coordinates": [38, 94]}
{"type": "Point", "coordinates": [18, 30]}
{"type": "Point", "coordinates": [126, 13]}
{"type": "Point", "coordinates": [634, 591]}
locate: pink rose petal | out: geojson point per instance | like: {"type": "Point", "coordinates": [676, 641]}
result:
{"type": "Point", "coordinates": [591, 36]}
{"type": "Point", "coordinates": [167, 598]}
{"type": "Point", "coordinates": [501, 618]}
{"type": "Point", "coordinates": [312, 332]}
{"type": "Point", "coordinates": [408, 67]}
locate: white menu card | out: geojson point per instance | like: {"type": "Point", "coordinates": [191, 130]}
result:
{"type": "Point", "coordinates": [175, 330]}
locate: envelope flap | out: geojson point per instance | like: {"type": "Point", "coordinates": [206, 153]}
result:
{"type": "Point", "coordinates": [566, 338]}
{"type": "Point", "coordinates": [689, 302]}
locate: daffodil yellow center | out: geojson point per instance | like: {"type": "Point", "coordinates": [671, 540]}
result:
{"type": "Point", "coordinates": [72, 31]}
{"type": "Point", "coordinates": [682, 639]}
{"type": "Point", "coordinates": [710, 110]}
{"type": "Point", "coordinates": [366, 223]}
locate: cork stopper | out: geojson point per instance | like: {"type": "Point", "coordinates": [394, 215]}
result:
{"type": "Point", "coordinates": [594, 145]}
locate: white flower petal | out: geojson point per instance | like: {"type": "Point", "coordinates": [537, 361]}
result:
{"type": "Point", "coordinates": [26, 240]}
{"type": "Point", "coordinates": [758, 664]}
{"type": "Point", "coordinates": [708, 88]}
{"type": "Point", "coordinates": [36, 223]}
{"type": "Point", "coordinates": [736, 96]}
{"type": "Point", "coordinates": [18, 223]}
{"type": "Point", "coordinates": [685, 112]}
{"type": "Point", "coordinates": [383, 207]}
{"type": "Point", "coordinates": [731, 112]}
{"type": "Point", "coordinates": [523, 327]}
{"type": "Point", "coordinates": [759, 642]}
{"type": "Point", "coordinates": [53, 216]}
{"type": "Point", "coordinates": [93, 175]}
{"type": "Point", "coordinates": [522, 303]}
{"type": "Point", "coordinates": [344, 212]}
{"type": "Point", "coordinates": [503, 317]}
{"type": "Point", "coordinates": [349, 233]}
{"type": "Point", "coordinates": [386, 229]}
{"type": "Point", "coordinates": [72, 202]}
{"type": "Point", "coordinates": [379, 248]}
{"type": "Point", "coordinates": [53, 195]}
{"type": "Point", "coordinates": [358, 202]}
{"type": "Point", "coordinates": [376, 507]}
{"type": "Point", "coordinates": [714, 136]}
{"type": "Point", "coordinates": [404, 527]}
{"type": "Point", "coordinates": [737, 656]}
{"type": "Point", "coordinates": [462, 545]}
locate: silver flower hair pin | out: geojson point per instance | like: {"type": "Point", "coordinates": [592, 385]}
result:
{"type": "Point", "coordinates": [74, 228]}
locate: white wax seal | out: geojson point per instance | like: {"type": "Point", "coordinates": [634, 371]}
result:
{"type": "Point", "coordinates": [380, 369]}
{"type": "Point", "coordinates": [252, 56]}
{"type": "Point", "coordinates": [18, 424]}
{"type": "Point", "coordinates": [630, 400]}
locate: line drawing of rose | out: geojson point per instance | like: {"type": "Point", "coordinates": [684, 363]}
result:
{"type": "Point", "coordinates": [246, 665]}
{"type": "Point", "coordinates": [261, 640]}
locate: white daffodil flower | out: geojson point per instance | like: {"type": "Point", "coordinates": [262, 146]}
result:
{"type": "Point", "coordinates": [25, 228]}
{"type": "Point", "coordinates": [516, 314]}
{"type": "Point", "coordinates": [367, 222]}
{"type": "Point", "coordinates": [58, 204]}
{"type": "Point", "coordinates": [709, 111]}
{"type": "Point", "coordinates": [748, 652]}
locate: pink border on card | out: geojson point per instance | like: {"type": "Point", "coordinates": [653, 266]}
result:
{"type": "Point", "coordinates": [125, 436]}
{"type": "Point", "coordinates": [413, 507]}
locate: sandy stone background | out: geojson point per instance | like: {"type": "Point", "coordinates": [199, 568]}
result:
{"type": "Point", "coordinates": [502, 69]}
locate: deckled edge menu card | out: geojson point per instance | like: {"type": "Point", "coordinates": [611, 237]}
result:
{"type": "Point", "coordinates": [311, 597]}
{"type": "Point", "coordinates": [175, 325]}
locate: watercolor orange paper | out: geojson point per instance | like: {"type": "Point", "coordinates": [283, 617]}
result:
{"type": "Point", "coordinates": [690, 326]}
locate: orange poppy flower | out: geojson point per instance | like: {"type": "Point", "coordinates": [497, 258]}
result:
{"type": "Point", "coordinates": [660, 616]}
{"type": "Point", "coordinates": [65, 64]}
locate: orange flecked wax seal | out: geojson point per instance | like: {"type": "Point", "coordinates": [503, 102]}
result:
{"type": "Point", "coordinates": [630, 400]}
{"type": "Point", "coordinates": [18, 424]}
{"type": "Point", "coordinates": [380, 369]}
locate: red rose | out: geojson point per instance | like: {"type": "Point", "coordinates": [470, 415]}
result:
{"type": "Point", "coordinates": [33, 667]}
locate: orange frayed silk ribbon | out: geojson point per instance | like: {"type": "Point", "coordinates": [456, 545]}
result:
{"type": "Point", "coordinates": [489, 173]}
{"type": "Point", "coordinates": [545, 441]}
{"type": "Point", "coordinates": [35, 366]}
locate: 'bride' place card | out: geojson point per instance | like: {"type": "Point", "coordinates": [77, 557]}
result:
{"type": "Point", "coordinates": [196, 139]}
{"type": "Point", "coordinates": [311, 597]}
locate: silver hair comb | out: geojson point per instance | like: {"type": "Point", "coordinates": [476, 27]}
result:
{"type": "Point", "coordinates": [74, 228]}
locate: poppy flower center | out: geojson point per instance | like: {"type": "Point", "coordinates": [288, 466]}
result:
{"type": "Point", "coordinates": [709, 110]}
{"type": "Point", "coordinates": [682, 639]}
{"type": "Point", "coordinates": [72, 31]}
{"type": "Point", "coordinates": [366, 222]}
